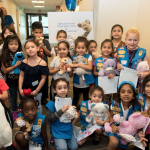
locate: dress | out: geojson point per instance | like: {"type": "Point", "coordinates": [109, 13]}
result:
{"type": "Point", "coordinates": [32, 75]}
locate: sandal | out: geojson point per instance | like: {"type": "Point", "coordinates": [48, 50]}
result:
{"type": "Point", "coordinates": [95, 142]}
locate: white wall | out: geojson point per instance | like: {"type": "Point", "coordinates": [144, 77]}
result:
{"type": "Point", "coordinates": [86, 5]}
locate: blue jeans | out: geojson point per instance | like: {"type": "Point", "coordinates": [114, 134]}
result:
{"type": "Point", "coordinates": [63, 144]}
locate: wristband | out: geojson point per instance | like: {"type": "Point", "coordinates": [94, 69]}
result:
{"type": "Point", "coordinates": [115, 123]}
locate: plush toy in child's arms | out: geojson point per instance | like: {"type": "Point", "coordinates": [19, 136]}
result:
{"type": "Point", "coordinates": [95, 55]}
{"type": "Point", "coordinates": [40, 39]}
{"type": "Point", "coordinates": [18, 56]}
{"type": "Point", "coordinates": [71, 113]}
{"type": "Point", "coordinates": [80, 60]}
{"type": "Point", "coordinates": [21, 123]}
{"type": "Point", "coordinates": [109, 66]}
{"type": "Point", "coordinates": [99, 110]}
{"type": "Point", "coordinates": [142, 66]}
{"type": "Point", "coordinates": [136, 121]}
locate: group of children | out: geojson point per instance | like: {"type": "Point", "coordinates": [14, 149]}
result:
{"type": "Point", "coordinates": [34, 73]}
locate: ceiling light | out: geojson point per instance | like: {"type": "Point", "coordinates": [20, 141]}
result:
{"type": "Point", "coordinates": [38, 6]}
{"type": "Point", "coordinates": [37, 1]}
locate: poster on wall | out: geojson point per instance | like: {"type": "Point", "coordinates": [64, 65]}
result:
{"type": "Point", "coordinates": [74, 23]}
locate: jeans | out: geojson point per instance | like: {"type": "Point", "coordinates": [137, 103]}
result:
{"type": "Point", "coordinates": [38, 97]}
{"type": "Point", "coordinates": [63, 144]}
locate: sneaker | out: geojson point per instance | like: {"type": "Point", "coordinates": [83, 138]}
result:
{"type": "Point", "coordinates": [15, 115]}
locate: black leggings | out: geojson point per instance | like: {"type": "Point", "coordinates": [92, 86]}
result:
{"type": "Point", "coordinates": [147, 137]}
{"type": "Point", "coordinates": [76, 94]}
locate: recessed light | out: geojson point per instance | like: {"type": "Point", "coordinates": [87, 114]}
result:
{"type": "Point", "coordinates": [37, 1]}
{"type": "Point", "coordinates": [38, 6]}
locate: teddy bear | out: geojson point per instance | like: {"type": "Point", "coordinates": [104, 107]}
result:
{"type": "Point", "coordinates": [80, 60]}
{"type": "Point", "coordinates": [99, 110]}
{"type": "Point", "coordinates": [109, 66]}
{"type": "Point", "coordinates": [21, 123]}
{"type": "Point", "coordinates": [40, 39]}
{"type": "Point", "coordinates": [66, 67]}
{"type": "Point", "coordinates": [142, 66]}
{"type": "Point", "coordinates": [95, 55]}
{"type": "Point", "coordinates": [86, 27]}
{"type": "Point", "coordinates": [71, 113]}
{"type": "Point", "coordinates": [136, 121]}
{"type": "Point", "coordinates": [18, 56]}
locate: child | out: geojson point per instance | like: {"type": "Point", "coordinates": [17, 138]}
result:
{"type": "Point", "coordinates": [7, 30]}
{"type": "Point", "coordinates": [55, 65]}
{"type": "Point", "coordinates": [12, 45]}
{"type": "Point", "coordinates": [62, 132]}
{"type": "Point", "coordinates": [61, 36]}
{"type": "Point", "coordinates": [130, 55]}
{"type": "Point", "coordinates": [96, 95]}
{"type": "Point", "coordinates": [144, 100]}
{"type": "Point", "coordinates": [125, 105]}
{"type": "Point", "coordinates": [81, 83]}
{"type": "Point", "coordinates": [33, 72]}
{"type": "Point", "coordinates": [44, 51]}
{"type": "Point", "coordinates": [107, 52]}
{"type": "Point", "coordinates": [116, 34]}
{"type": "Point", "coordinates": [92, 46]}
{"type": "Point", "coordinates": [38, 136]}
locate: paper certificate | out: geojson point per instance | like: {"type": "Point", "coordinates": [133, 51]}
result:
{"type": "Point", "coordinates": [109, 85]}
{"type": "Point", "coordinates": [59, 103]}
{"type": "Point", "coordinates": [127, 74]}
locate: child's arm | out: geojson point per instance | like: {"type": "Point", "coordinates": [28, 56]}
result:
{"type": "Point", "coordinates": [47, 52]}
{"type": "Point", "coordinates": [88, 67]}
{"type": "Point", "coordinates": [4, 95]}
{"type": "Point", "coordinates": [44, 135]}
{"type": "Point", "coordinates": [21, 78]}
{"type": "Point", "coordinates": [52, 71]}
{"type": "Point", "coordinates": [95, 73]}
{"type": "Point", "coordinates": [9, 69]}
{"type": "Point", "coordinates": [142, 137]}
{"type": "Point", "coordinates": [54, 116]}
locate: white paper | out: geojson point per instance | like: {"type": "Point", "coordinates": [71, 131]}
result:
{"type": "Point", "coordinates": [127, 74]}
{"type": "Point", "coordinates": [59, 103]}
{"type": "Point", "coordinates": [109, 85]}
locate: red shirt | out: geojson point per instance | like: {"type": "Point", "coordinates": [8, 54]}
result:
{"type": "Point", "coordinates": [3, 86]}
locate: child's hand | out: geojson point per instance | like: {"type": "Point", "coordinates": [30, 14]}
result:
{"type": "Point", "coordinates": [23, 129]}
{"type": "Point", "coordinates": [21, 93]}
{"type": "Point", "coordinates": [18, 63]}
{"type": "Point", "coordinates": [41, 46]}
{"type": "Point", "coordinates": [119, 66]}
{"type": "Point", "coordinates": [142, 75]}
{"type": "Point", "coordinates": [142, 138]}
{"type": "Point", "coordinates": [111, 76]}
{"type": "Point", "coordinates": [65, 107]}
{"type": "Point", "coordinates": [61, 65]}
{"type": "Point", "coordinates": [34, 93]}
{"type": "Point", "coordinates": [114, 128]}
{"type": "Point", "coordinates": [99, 122]}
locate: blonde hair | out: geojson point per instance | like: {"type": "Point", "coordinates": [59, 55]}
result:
{"type": "Point", "coordinates": [133, 30]}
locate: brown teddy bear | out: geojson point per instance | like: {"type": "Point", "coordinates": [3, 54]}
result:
{"type": "Point", "coordinates": [21, 123]}
{"type": "Point", "coordinates": [40, 39]}
{"type": "Point", "coordinates": [86, 27]}
{"type": "Point", "coordinates": [66, 67]}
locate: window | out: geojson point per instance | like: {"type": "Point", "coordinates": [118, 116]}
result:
{"type": "Point", "coordinates": [36, 17]}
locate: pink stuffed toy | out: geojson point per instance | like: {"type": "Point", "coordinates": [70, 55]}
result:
{"type": "Point", "coordinates": [136, 121]}
{"type": "Point", "coordinates": [142, 66]}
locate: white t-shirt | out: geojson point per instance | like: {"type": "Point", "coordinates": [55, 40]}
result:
{"type": "Point", "coordinates": [55, 63]}
{"type": "Point", "coordinates": [53, 51]}
{"type": "Point", "coordinates": [125, 112]}
{"type": "Point", "coordinates": [82, 82]}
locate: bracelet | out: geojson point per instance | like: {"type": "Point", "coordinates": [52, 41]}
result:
{"type": "Point", "coordinates": [115, 123]}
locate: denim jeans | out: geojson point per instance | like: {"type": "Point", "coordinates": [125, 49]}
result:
{"type": "Point", "coordinates": [63, 144]}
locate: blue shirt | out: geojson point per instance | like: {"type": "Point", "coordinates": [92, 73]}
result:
{"type": "Point", "coordinates": [59, 129]}
{"type": "Point", "coordinates": [8, 20]}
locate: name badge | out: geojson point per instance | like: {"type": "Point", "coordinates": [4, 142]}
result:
{"type": "Point", "coordinates": [124, 62]}
{"type": "Point", "coordinates": [35, 83]}
{"type": "Point", "coordinates": [36, 127]}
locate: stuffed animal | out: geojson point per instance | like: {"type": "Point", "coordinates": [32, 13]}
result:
{"type": "Point", "coordinates": [95, 55]}
{"type": "Point", "coordinates": [86, 27]}
{"type": "Point", "coordinates": [109, 66]}
{"type": "Point", "coordinates": [21, 123]}
{"type": "Point", "coordinates": [18, 56]}
{"type": "Point", "coordinates": [40, 39]}
{"type": "Point", "coordinates": [65, 68]}
{"type": "Point", "coordinates": [6, 126]}
{"type": "Point", "coordinates": [27, 92]}
{"type": "Point", "coordinates": [136, 121]}
{"type": "Point", "coordinates": [71, 113]}
{"type": "Point", "coordinates": [142, 66]}
{"type": "Point", "coordinates": [99, 110]}
{"type": "Point", "coordinates": [80, 71]}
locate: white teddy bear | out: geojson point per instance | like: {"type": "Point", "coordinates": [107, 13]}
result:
{"type": "Point", "coordinates": [99, 110]}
